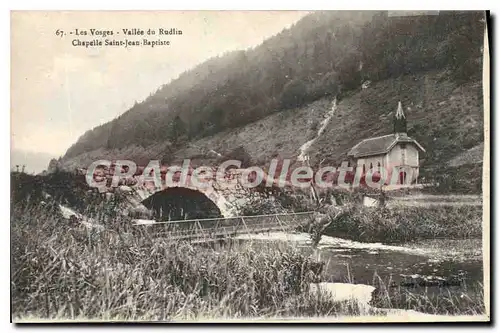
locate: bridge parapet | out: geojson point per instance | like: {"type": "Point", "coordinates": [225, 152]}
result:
{"type": "Point", "coordinates": [211, 229]}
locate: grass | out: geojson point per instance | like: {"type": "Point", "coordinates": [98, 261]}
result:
{"type": "Point", "coordinates": [64, 272]}
{"type": "Point", "coordinates": [462, 299]}
{"type": "Point", "coordinates": [404, 224]}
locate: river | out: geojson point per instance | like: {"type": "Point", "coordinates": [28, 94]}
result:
{"type": "Point", "coordinates": [434, 269]}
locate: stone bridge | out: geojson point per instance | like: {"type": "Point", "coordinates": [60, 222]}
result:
{"type": "Point", "coordinates": [227, 195]}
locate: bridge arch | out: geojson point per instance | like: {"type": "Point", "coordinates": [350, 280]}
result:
{"type": "Point", "coordinates": [226, 197]}
{"type": "Point", "coordinates": [181, 203]}
{"type": "Point", "coordinates": [150, 197]}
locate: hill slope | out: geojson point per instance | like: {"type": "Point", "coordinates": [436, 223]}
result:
{"type": "Point", "coordinates": [271, 99]}
{"type": "Point", "coordinates": [446, 121]}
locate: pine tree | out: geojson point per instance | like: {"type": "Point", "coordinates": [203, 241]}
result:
{"type": "Point", "coordinates": [177, 130]}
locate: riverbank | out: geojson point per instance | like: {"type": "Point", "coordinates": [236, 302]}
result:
{"type": "Point", "coordinates": [403, 224]}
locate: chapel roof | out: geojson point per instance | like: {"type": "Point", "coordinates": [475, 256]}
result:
{"type": "Point", "coordinates": [381, 145]}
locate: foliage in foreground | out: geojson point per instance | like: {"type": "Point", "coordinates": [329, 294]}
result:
{"type": "Point", "coordinates": [454, 300]}
{"type": "Point", "coordinates": [64, 272]}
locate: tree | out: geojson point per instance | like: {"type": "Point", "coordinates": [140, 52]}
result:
{"type": "Point", "coordinates": [177, 130]}
{"type": "Point", "coordinates": [53, 166]}
{"type": "Point", "coordinates": [294, 93]}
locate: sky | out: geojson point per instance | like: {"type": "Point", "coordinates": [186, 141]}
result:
{"type": "Point", "coordinates": [59, 91]}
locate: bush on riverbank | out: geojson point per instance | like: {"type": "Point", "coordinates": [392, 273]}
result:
{"type": "Point", "coordinates": [402, 224]}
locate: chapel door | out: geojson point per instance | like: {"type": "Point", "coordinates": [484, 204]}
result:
{"type": "Point", "coordinates": [402, 178]}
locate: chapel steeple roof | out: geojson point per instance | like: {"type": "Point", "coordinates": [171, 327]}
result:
{"type": "Point", "coordinates": [399, 120]}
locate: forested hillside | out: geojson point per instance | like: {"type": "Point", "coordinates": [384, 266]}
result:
{"type": "Point", "coordinates": [420, 60]}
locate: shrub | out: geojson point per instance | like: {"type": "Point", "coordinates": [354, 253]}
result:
{"type": "Point", "coordinates": [404, 224]}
